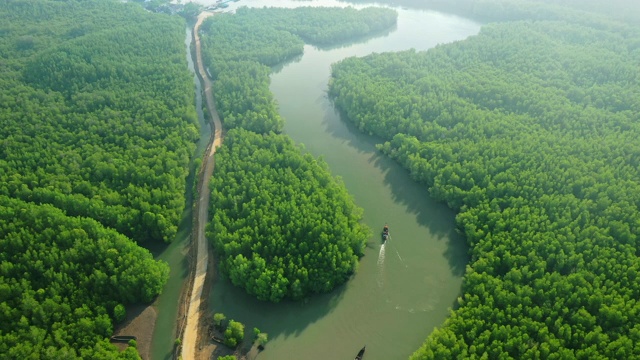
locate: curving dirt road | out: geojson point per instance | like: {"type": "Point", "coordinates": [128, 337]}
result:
{"type": "Point", "coordinates": [190, 337]}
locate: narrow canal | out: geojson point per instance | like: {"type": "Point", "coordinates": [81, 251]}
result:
{"type": "Point", "coordinates": [403, 289]}
{"type": "Point", "coordinates": [176, 254]}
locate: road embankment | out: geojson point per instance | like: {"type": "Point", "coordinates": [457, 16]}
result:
{"type": "Point", "coordinates": [199, 243]}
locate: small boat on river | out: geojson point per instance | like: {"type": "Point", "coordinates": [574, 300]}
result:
{"type": "Point", "coordinates": [360, 353]}
{"type": "Point", "coordinates": [385, 233]}
{"type": "Point", "coordinates": [122, 338]}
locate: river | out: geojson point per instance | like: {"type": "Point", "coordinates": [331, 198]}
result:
{"type": "Point", "coordinates": [402, 289]}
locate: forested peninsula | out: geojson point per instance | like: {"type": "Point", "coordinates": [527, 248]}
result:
{"type": "Point", "coordinates": [529, 130]}
{"type": "Point", "coordinates": [98, 127]}
{"type": "Point", "coordinates": [282, 226]}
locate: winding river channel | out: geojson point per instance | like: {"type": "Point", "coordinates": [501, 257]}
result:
{"type": "Point", "coordinates": [402, 289]}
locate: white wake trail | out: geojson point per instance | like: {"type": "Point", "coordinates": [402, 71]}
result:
{"type": "Point", "coordinates": [381, 266]}
{"type": "Point", "coordinates": [381, 255]}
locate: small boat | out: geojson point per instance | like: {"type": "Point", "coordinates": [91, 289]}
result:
{"type": "Point", "coordinates": [360, 353]}
{"type": "Point", "coordinates": [122, 338]}
{"type": "Point", "coordinates": [385, 232]}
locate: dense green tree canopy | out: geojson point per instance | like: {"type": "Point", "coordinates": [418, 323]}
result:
{"type": "Point", "coordinates": [530, 131]}
{"type": "Point", "coordinates": [97, 119]}
{"type": "Point", "coordinates": [62, 278]}
{"type": "Point", "coordinates": [98, 123]}
{"type": "Point", "coordinates": [281, 224]}
{"type": "Point", "coordinates": [244, 100]}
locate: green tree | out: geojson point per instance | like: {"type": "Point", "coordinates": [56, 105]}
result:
{"type": "Point", "coordinates": [234, 334]}
{"type": "Point", "coordinates": [119, 313]}
{"type": "Point", "coordinates": [218, 319]}
{"type": "Point", "coordinates": [262, 339]}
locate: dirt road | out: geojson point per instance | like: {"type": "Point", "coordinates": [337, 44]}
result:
{"type": "Point", "coordinates": [190, 337]}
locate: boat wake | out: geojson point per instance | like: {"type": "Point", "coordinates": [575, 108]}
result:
{"type": "Point", "coordinates": [381, 255]}
{"type": "Point", "coordinates": [381, 266]}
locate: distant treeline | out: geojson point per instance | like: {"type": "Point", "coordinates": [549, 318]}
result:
{"type": "Point", "coordinates": [501, 10]}
{"type": "Point", "coordinates": [529, 130]}
{"type": "Point", "coordinates": [282, 225]}
{"type": "Point", "coordinates": [239, 49]}
{"type": "Point", "coordinates": [98, 127]}
{"type": "Point", "coordinates": [272, 35]}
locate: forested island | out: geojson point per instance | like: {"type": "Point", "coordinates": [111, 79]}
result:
{"type": "Point", "coordinates": [529, 130]}
{"type": "Point", "coordinates": [98, 128]}
{"type": "Point", "coordinates": [282, 226]}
